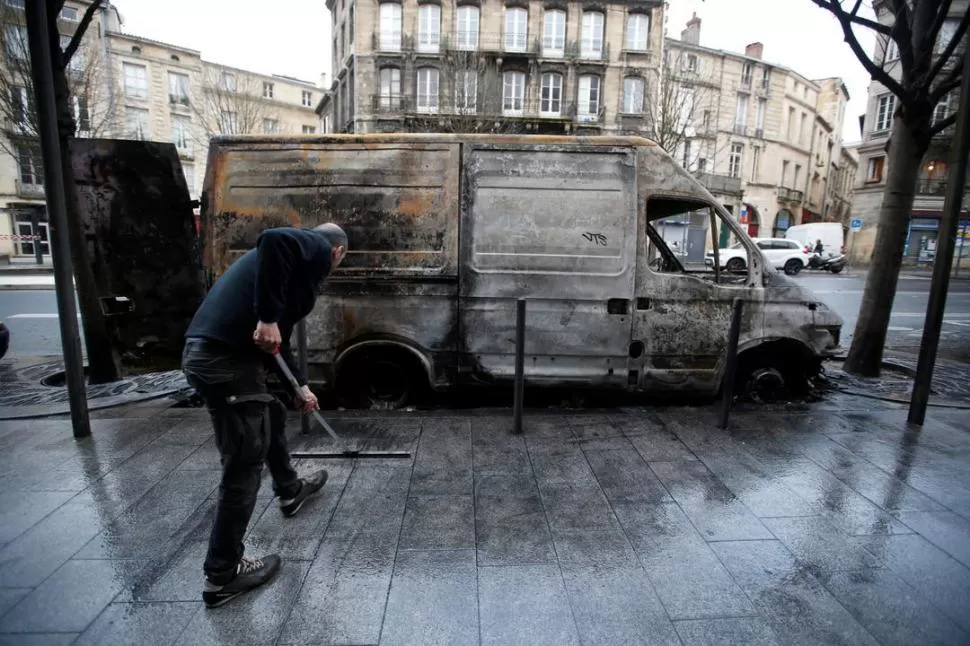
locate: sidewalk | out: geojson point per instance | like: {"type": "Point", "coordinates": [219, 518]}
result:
{"type": "Point", "coordinates": [634, 525]}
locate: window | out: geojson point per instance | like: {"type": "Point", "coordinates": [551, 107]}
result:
{"type": "Point", "coordinates": [76, 64]}
{"type": "Point", "coordinates": [178, 89]}
{"type": "Point", "coordinates": [803, 129]}
{"type": "Point", "coordinates": [755, 163]}
{"type": "Point", "coordinates": [429, 28]}
{"type": "Point", "coordinates": [228, 122]}
{"type": "Point", "coordinates": [741, 114]}
{"type": "Point", "coordinates": [591, 45]}
{"type": "Point", "coordinates": [182, 132]}
{"type": "Point", "coordinates": [390, 27]}
{"type": "Point", "coordinates": [554, 33]}
{"type": "Point", "coordinates": [701, 165]}
{"type": "Point", "coordinates": [637, 32]}
{"type": "Point", "coordinates": [633, 95]}
{"type": "Point", "coordinates": [886, 106]}
{"type": "Point", "coordinates": [589, 97]}
{"type": "Point", "coordinates": [746, 71]}
{"type": "Point", "coordinates": [136, 81]}
{"type": "Point", "coordinates": [69, 13]}
{"type": "Point", "coordinates": [734, 161]}
{"type": "Point", "coordinates": [685, 105]}
{"type": "Point", "coordinates": [15, 40]}
{"type": "Point", "coordinates": [875, 169]}
{"type": "Point", "coordinates": [390, 96]}
{"type": "Point", "coordinates": [267, 90]}
{"type": "Point", "coordinates": [706, 119]}
{"type": "Point", "coordinates": [31, 165]}
{"type": "Point", "coordinates": [467, 28]}
{"type": "Point", "coordinates": [550, 100]}
{"type": "Point", "coordinates": [270, 126]}
{"type": "Point", "coordinates": [942, 110]}
{"type": "Point", "coordinates": [791, 124]}
{"type": "Point", "coordinates": [516, 29]}
{"type": "Point", "coordinates": [81, 114]}
{"type": "Point", "coordinates": [22, 108]}
{"type": "Point", "coordinates": [947, 32]}
{"type": "Point", "coordinates": [25, 246]}
{"type": "Point", "coordinates": [689, 64]}
{"type": "Point", "coordinates": [309, 130]}
{"type": "Point", "coordinates": [16, 4]}
{"type": "Point", "coordinates": [765, 79]}
{"type": "Point", "coordinates": [466, 91]}
{"type": "Point", "coordinates": [189, 171]}
{"type": "Point", "coordinates": [687, 154]}
{"type": "Point", "coordinates": [228, 81]}
{"type": "Point", "coordinates": [427, 89]}
{"type": "Point", "coordinates": [798, 175]}
{"type": "Point", "coordinates": [307, 98]}
{"type": "Point", "coordinates": [760, 122]}
{"type": "Point", "coordinates": [513, 93]}
{"type": "Point", "coordinates": [892, 51]}
{"type": "Point", "coordinates": [136, 123]}
{"type": "Point", "coordinates": [784, 172]}
{"type": "Point", "coordinates": [350, 25]}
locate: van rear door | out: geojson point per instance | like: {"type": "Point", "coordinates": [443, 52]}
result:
{"type": "Point", "coordinates": [555, 225]}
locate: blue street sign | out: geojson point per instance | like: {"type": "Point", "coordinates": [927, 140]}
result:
{"type": "Point", "coordinates": [856, 225]}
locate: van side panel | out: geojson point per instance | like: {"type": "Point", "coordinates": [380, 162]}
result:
{"type": "Point", "coordinates": [554, 225]}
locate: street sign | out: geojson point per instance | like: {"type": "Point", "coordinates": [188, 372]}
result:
{"type": "Point", "coordinates": [855, 225]}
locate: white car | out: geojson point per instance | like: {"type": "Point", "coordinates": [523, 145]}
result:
{"type": "Point", "coordinates": [787, 255]}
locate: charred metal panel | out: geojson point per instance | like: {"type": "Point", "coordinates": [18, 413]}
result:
{"type": "Point", "coordinates": [138, 218]}
{"type": "Point", "coordinates": [555, 225]}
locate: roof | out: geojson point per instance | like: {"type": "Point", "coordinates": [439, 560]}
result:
{"type": "Point", "coordinates": [735, 55]}
{"type": "Point", "coordinates": [149, 41]}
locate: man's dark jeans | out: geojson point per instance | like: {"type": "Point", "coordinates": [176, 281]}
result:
{"type": "Point", "coordinates": [249, 425]}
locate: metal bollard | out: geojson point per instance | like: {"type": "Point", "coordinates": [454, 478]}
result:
{"type": "Point", "coordinates": [731, 367]}
{"type": "Point", "coordinates": [301, 349]}
{"type": "Point", "coordinates": [517, 402]}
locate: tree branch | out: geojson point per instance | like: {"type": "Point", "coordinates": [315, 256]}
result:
{"type": "Point", "coordinates": [81, 29]}
{"type": "Point", "coordinates": [950, 48]}
{"type": "Point", "coordinates": [951, 83]}
{"type": "Point", "coordinates": [942, 125]}
{"type": "Point", "coordinates": [903, 35]}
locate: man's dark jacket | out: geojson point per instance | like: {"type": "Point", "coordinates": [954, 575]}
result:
{"type": "Point", "coordinates": [276, 282]}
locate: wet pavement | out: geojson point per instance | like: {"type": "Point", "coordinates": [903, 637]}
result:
{"type": "Point", "coordinates": [834, 526]}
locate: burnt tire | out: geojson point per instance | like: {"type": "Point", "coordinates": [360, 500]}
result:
{"type": "Point", "coordinates": [735, 265]}
{"type": "Point", "coordinates": [770, 375]}
{"type": "Point", "coordinates": [793, 267]}
{"type": "Point", "coordinates": [380, 378]}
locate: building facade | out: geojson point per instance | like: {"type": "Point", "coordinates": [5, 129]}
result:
{"type": "Point", "coordinates": [764, 139]}
{"type": "Point", "coordinates": [493, 66]}
{"type": "Point", "coordinates": [128, 87]}
{"type": "Point", "coordinates": [870, 181]}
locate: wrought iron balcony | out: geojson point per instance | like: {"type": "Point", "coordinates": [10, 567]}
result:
{"type": "Point", "coordinates": [720, 183]}
{"type": "Point", "coordinates": [931, 187]}
{"type": "Point", "coordinates": [786, 194]}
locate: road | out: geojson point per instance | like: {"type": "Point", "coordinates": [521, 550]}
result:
{"type": "Point", "coordinates": [32, 315]}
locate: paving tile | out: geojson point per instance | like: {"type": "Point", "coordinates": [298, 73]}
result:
{"type": "Point", "coordinates": [689, 579]}
{"type": "Point", "coordinates": [39, 639]}
{"type": "Point", "coordinates": [948, 531]}
{"type": "Point", "coordinates": [749, 631]}
{"type": "Point", "coordinates": [940, 578]}
{"type": "Point", "coordinates": [438, 522]}
{"type": "Point", "coordinates": [373, 498]}
{"type": "Point", "coordinates": [556, 463]}
{"type": "Point", "coordinates": [19, 511]}
{"type": "Point", "coordinates": [9, 597]}
{"type": "Point", "coordinates": [122, 624]}
{"type": "Point", "coordinates": [498, 452]}
{"type": "Point", "coordinates": [512, 529]}
{"type": "Point", "coordinates": [433, 599]}
{"type": "Point", "coordinates": [572, 509]}
{"type": "Point", "coordinates": [443, 464]}
{"type": "Point", "coordinates": [819, 545]}
{"type": "Point", "coordinates": [191, 432]}
{"type": "Point", "coordinates": [617, 605]}
{"type": "Point", "coordinates": [595, 548]}
{"type": "Point", "coordinates": [625, 477]}
{"type": "Point", "coordinates": [661, 445]}
{"type": "Point", "coordinates": [763, 495]}
{"type": "Point", "coordinates": [891, 610]}
{"type": "Point", "coordinates": [799, 609]}
{"type": "Point", "coordinates": [70, 599]}
{"type": "Point", "coordinates": [342, 600]}
{"type": "Point", "coordinates": [525, 605]}
{"type": "Point", "coordinates": [716, 512]}
{"type": "Point", "coordinates": [179, 578]}
{"type": "Point", "coordinates": [253, 618]}
{"type": "Point", "coordinates": [204, 458]}
{"type": "Point", "coordinates": [506, 485]}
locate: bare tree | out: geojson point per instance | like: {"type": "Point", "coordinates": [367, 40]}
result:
{"type": "Point", "coordinates": [928, 71]}
{"type": "Point", "coordinates": [234, 103]}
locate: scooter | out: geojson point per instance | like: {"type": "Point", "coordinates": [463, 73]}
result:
{"type": "Point", "coordinates": [834, 264]}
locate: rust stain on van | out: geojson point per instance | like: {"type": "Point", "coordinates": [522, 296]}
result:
{"type": "Point", "coordinates": [415, 205]}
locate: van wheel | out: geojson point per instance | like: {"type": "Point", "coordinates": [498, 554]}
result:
{"type": "Point", "coordinates": [792, 267]}
{"type": "Point", "coordinates": [735, 265]}
{"type": "Point", "coordinates": [379, 379]}
{"type": "Point", "coordinates": [770, 375]}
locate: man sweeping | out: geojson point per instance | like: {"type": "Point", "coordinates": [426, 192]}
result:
{"type": "Point", "coordinates": [247, 315]}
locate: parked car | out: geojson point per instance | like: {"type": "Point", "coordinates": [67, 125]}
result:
{"type": "Point", "coordinates": [786, 255]}
{"type": "Point", "coordinates": [4, 339]}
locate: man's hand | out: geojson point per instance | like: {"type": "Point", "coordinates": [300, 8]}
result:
{"type": "Point", "coordinates": [309, 402]}
{"type": "Point", "coordinates": [267, 336]}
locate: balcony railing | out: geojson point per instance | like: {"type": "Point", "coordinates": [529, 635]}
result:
{"type": "Point", "coordinates": [931, 187]}
{"type": "Point", "coordinates": [720, 183]}
{"type": "Point", "coordinates": [789, 194]}
{"type": "Point", "coordinates": [740, 130]}
{"type": "Point", "coordinates": [486, 42]}
{"type": "Point", "coordinates": [483, 108]}
{"type": "Point", "coordinates": [29, 190]}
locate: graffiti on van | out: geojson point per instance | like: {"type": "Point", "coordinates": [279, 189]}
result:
{"type": "Point", "coordinates": [598, 238]}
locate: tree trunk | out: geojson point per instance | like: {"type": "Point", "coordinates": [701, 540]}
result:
{"type": "Point", "coordinates": [903, 164]}
{"type": "Point", "coordinates": [103, 365]}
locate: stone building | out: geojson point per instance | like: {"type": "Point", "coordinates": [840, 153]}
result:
{"type": "Point", "coordinates": [143, 89]}
{"type": "Point", "coordinates": [493, 66]}
{"type": "Point", "coordinates": [870, 181]}
{"type": "Point", "coordinates": [764, 139]}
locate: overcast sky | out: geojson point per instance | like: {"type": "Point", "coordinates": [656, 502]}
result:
{"type": "Point", "coordinates": [292, 37]}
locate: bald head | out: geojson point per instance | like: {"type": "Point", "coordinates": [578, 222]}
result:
{"type": "Point", "coordinates": [334, 234]}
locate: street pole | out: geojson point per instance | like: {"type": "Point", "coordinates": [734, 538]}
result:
{"type": "Point", "coordinates": [42, 71]}
{"type": "Point", "coordinates": [963, 238]}
{"type": "Point", "coordinates": [944, 255]}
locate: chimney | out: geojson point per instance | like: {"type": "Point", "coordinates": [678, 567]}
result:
{"type": "Point", "coordinates": [322, 83]}
{"type": "Point", "coordinates": [692, 34]}
{"type": "Point", "coordinates": [754, 50]}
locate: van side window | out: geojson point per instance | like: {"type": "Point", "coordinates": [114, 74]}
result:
{"type": "Point", "coordinates": [686, 236]}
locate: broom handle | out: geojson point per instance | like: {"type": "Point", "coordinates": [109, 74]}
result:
{"type": "Point", "coordinates": [299, 393]}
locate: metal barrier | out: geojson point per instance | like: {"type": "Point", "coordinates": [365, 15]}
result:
{"type": "Point", "coordinates": [731, 366]}
{"type": "Point", "coordinates": [517, 400]}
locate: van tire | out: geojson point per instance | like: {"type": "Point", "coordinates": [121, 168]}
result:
{"type": "Point", "coordinates": [735, 265]}
{"type": "Point", "coordinates": [380, 378]}
{"type": "Point", "coordinates": [792, 267]}
{"type": "Point", "coordinates": [774, 371]}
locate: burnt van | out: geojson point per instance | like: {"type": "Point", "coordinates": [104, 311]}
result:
{"type": "Point", "coordinates": [447, 232]}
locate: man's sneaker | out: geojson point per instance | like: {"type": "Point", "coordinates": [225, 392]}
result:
{"type": "Point", "coordinates": [250, 573]}
{"type": "Point", "coordinates": [308, 486]}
